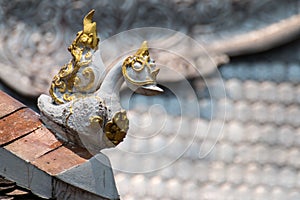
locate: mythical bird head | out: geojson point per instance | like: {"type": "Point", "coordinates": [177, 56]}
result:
{"type": "Point", "coordinates": [140, 71]}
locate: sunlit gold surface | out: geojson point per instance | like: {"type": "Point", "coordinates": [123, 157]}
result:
{"type": "Point", "coordinates": [67, 82]}
{"type": "Point", "coordinates": [117, 127]}
{"type": "Point", "coordinates": [141, 56]}
{"type": "Point", "coordinates": [96, 119]}
{"type": "Point", "coordinates": [88, 74]}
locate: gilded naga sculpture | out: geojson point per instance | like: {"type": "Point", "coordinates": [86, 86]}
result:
{"type": "Point", "coordinates": [84, 108]}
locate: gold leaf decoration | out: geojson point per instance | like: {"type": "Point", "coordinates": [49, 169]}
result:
{"type": "Point", "coordinates": [116, 129]}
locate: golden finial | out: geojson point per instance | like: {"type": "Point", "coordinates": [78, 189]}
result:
{"type": "Point", "coordinates": [90, 30]}
{"type": "Point", "coordinates": [143, 50]}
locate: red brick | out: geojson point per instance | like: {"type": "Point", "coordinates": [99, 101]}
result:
{"type": "Point", "coordinates": [8, 104]}
{"type": "Point", "coordinates": [34, 145]}
{"type": "Point", "coordinates": [59, 160]}
{"type": "Point", "coordinates": [18, 124]}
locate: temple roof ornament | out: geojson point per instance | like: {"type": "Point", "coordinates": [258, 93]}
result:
{"type": "Point", "coordinates": [85, 109]}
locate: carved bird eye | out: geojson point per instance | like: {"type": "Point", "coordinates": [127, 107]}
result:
{"type": "Point", "coordinates": [137, 66]}
{"type": "Point", "coordinates": [152, 63]}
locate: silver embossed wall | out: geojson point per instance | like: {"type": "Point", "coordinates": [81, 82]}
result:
{"type": "Point", "coordinates": [34, 34]}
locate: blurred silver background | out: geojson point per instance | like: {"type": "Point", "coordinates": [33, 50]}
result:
{"type": "Point", "coordinates": [233, 134]}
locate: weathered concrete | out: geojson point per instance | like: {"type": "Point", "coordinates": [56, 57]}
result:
{"type": "Point", "coordinates": [25, 174]}
{"type": "Point", "coordinates": [95, 176]}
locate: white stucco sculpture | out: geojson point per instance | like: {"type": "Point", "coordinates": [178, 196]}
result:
{"type": "Point", "coordinates": [84, 105]}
